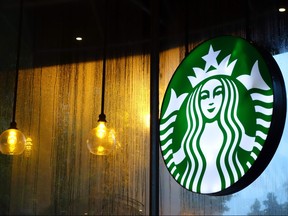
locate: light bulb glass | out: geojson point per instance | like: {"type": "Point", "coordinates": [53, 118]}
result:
{"type": "Point", "coordinates": [12, 142]}
{"type": "Point", "coordinates": [101, 140]}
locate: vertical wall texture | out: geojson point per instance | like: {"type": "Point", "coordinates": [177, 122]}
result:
{"type": "Point", "coordinates": [56, 107]}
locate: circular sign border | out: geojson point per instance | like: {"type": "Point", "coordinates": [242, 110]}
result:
{"type": "Point", "coordinates": [276, 127]}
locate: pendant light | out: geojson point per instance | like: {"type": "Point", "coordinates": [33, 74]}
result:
{"type": "Point", "coordinates": [101, 140]}
{"type": "Point", "coordinates": [12, 140]}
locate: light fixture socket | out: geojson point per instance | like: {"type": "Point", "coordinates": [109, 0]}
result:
{"type": "Point", "coordinates": [102, 117]}
{"type": "Point", "coordinates": [13, 125]}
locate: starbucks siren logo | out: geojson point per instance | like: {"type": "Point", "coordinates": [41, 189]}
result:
{"type": "Point", "coordinates": [216, 115]}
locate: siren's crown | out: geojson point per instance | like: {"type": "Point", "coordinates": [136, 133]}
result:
{"type": "Point", "coordinates": [223, 68]}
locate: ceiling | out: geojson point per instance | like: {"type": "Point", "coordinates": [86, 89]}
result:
{"type": "Point", "coordinates": [50, 26]}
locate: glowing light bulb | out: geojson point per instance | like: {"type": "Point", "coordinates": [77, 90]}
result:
{"type": "Point", "coordinates": [101, 140]}
{"type": "Point", "coordinates": [12, 139]}
{"type": "Point", "coordinates": [101, 130]}
{"type": "Point", "coordinates": [12, 142]}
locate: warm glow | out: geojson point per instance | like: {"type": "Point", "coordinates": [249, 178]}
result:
{"type": "Point", "coordinates": [12, 142]}
{"type": "Point", "coordinates": [282, 9]}
{"type": "Point", "coordinates": [100, 149]}
{"type": "Point", "coordinates": [101, 140]}
{"type": "Point", "coordinates": [101, 130]}
{"type": "Point", "coordinates": [28, 147]}
{"type": "Point", "coordinates": [147, 120]}
{"type": "Point", "coordinates": [79, 38]}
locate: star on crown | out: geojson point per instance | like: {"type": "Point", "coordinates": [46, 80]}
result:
{"type": "Point", "coordinates": [223, 68]}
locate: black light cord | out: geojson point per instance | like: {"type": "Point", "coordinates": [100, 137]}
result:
{"type": "Point", "coordinates": [13, 123]}
{"type": "Point", "coordinates": [102, 116]}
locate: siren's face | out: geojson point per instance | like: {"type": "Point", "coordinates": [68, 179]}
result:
{"type": "Point", "coordinates": [211, 97]}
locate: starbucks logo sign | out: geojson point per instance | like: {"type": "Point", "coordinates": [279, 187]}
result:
{"type": "Point", "coordinates": [222, 116]}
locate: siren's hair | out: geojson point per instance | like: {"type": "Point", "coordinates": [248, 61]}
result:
{"type": "Point", "coordinates": [228, 165]}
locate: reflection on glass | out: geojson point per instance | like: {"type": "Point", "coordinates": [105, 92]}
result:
{"type": "Point", "coordinates": [28, 147]}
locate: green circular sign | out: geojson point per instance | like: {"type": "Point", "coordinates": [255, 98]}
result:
{"type": "Point", "coordinates": [218, 116]}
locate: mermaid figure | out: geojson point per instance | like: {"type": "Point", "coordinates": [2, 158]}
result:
{"type": "Point", "coordinates": [213, 135]}
{"type": "Point", "coordinates": [206, 156]}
